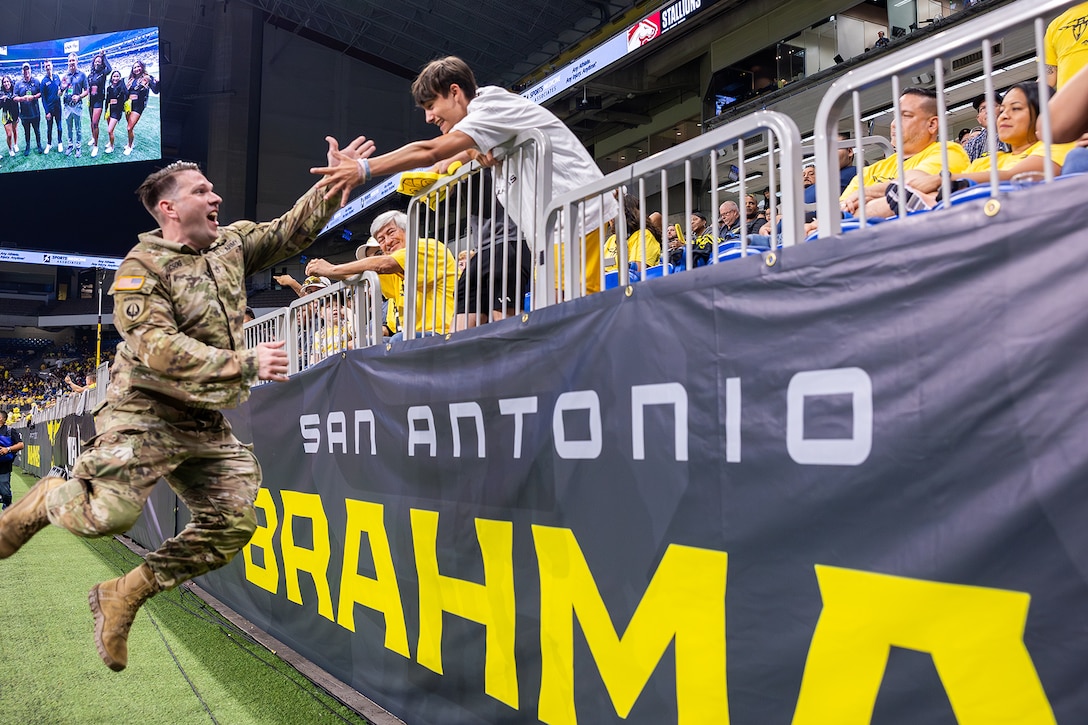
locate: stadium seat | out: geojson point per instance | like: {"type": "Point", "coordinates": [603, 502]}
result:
{"type": "Point", "coordinates": [974, 193]}
{"type": "Point", "coordinates": [734, 250]}
{"type": "Point", "coordinates": [612, 280]}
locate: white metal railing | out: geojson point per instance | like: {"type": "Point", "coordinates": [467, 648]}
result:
{"type": "Point", "coordinates": [571, 244]}
{"type": "Point", "coordinates": [342, 317]}
{"type": "Point", "coordinates": [929, 58]}
{"type": "Point", "coordinates": [880, 145]}
{"type": "Point", "coordinates": [72, 403]}
{"type": "Point", "coordinates": [489, 222]}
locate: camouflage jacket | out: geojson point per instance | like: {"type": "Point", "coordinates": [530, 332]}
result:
{"type": "Point", "coordinates": [180, 311]}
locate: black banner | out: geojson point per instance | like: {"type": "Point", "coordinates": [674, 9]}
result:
{"type": "Point", "coordinates": [843, 485]}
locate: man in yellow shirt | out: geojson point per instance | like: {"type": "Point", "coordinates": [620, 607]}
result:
{"type": "Point", "coordinates": [77, 388]}
{"type": "Point", "coordinates": [1065, 46]}
{"type": "Point", "coordinates": [918, 128]}
{"type": "Point", "coordinates": [436, 272]}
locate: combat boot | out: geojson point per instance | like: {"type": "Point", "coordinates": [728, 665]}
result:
{"type": "Point", "coordinates": [25, 517]}
{"type": "Point", "coordinates": [114, 604]}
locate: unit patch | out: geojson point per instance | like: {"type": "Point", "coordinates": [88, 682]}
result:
{"type": "Point", "coordinates": [132, 309]}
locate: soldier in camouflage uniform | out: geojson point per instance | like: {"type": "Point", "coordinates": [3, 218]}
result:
{"type": "Point", "coordinates": [179, 302]}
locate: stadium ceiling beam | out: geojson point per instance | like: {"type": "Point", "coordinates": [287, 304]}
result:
{"type": "Point", "coordinates": [353, 29]}
{"type": "Point", "coordinates": [407, 33]}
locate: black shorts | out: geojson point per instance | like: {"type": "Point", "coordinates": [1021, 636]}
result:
{"type": "Point", "coordinates": [137, 105]}
{"type": "Point", "coordinates": [95, 103]}
{"type": "Point", "coordinates": [479, 266]}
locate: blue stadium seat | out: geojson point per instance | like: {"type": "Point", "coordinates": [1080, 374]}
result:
{"type": "Point", "coordinates": [612, 279]}
{"type": "Point", "coordinates": [733, 250]}
{"type": "Point", "coordinates": [974, 193]}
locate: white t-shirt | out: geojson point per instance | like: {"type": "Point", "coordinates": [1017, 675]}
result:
{"type": "Point", "coordinates": [495, 118]}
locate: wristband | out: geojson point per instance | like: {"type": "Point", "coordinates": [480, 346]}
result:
{"type": "Point", "coordinates": [364, 169]}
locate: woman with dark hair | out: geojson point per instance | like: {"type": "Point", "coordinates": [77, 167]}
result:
{"type": "Point", "coordinates": [116, 97]}
{"type": "Point", "coordinates": [1016, 129]}
{"type": "Point", "coordinates": [139, 84]}
{"type": "Point", "coordinates": [9, 112]}
{"type": "Point", "coordinates": [96, 80]}
{"type": "Point", "coordinates": [632, 214]}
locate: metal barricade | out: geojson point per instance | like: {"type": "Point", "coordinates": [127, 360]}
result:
{"type": "Point", "coordinates": [342, 317]}
{"type": "Point", "coordinates": [97, 394]}
{"type": "Point", "coordinates": [488, 221]}
{"type": "Point", "coordinates": [874, 89]}
{"type": "Point", "coordinates": [271, 327]}
{"type": "Point", "coordinates": [578, 255]}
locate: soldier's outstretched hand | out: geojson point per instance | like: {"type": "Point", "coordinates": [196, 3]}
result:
{"type": "Point", "coordinates": [343, 173]}
{"type": "Point", "coordinates": [272, 363]}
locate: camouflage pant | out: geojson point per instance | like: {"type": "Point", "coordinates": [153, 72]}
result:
{"type": "Point", "coordinates": [141, 439]}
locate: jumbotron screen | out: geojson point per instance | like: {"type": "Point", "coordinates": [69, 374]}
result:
{"type": "Point", "coordinates": [81, 101]}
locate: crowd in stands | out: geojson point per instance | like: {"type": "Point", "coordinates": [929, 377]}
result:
{"type": "Point", "coordinates": [35, 373]}
{"type": "Point", "coordinates": [447, 295]}
{"type": "Point", "coordinates": [640, 238]}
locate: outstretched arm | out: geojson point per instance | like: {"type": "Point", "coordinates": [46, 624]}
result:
{"type": "Point", "coordinates": [286, 280]}
{"type": "Point", "coordinates": [342, 177]}
{"type": "Point", "coordinates": [267, 243]}
{"type": "Point", "coordinates": [382, 264]}
{"type": "Point", "coordinates": [76, 387]}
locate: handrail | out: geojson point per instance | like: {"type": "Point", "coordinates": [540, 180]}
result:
{"type": "Point", "coordinates": [450, 201]}
{"type": "Point", "coordinates": [896, 63]}
{"type": "Point", "coordinates": [562, 208]}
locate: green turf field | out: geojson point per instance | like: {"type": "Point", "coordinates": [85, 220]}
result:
{"type": "Point", "coordinates": [186, 663]}
{"type": "Point", "coordinates": [148, 144]}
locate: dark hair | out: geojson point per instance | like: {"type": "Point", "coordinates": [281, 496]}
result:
{"type": "Point", "coordinates": [437, 76]}
{"type": "Point", "coordinates": [699, 214]}
{"type": "Point", "coordinates": [161, 184]}
{"type": "Point", "coordinates": [927, 93]}
{"type": "Point", "coordinates": [977, 101]}
{"type": "Point", "coordinates": [1030, 89]}
{"type": "Point", "coordinates": [633, 215]}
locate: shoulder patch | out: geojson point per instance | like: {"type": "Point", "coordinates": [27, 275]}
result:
{"type": "Point", "coordinates": [132, 310]}
{"type": "Point", "coordinates": [129, 284]}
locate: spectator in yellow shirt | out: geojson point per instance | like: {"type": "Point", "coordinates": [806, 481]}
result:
{"type": "Point", "coordinates": [436, 271]}
{"type": "Point", "coordinates": [918, 130]}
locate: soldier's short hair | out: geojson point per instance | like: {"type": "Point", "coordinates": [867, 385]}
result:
{"type": "Point", "coordinates": [162, 183]}
{"type": "Point", "coordinates": [437, 76]}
